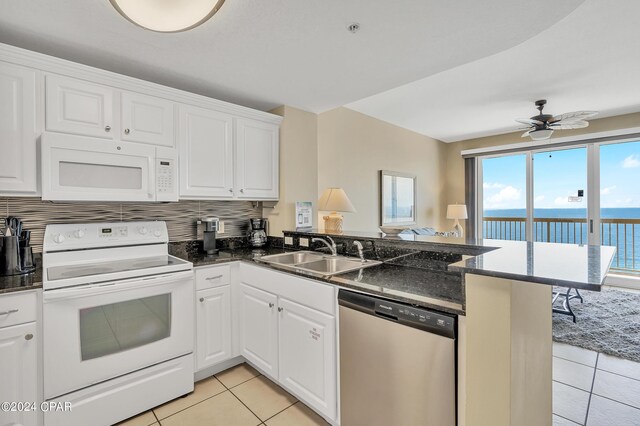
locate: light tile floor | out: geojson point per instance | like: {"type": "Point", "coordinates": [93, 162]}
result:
{"type": "Point", "coordinates": [239, 396]}
{"type": "Point", "coordinates": [594, 389]}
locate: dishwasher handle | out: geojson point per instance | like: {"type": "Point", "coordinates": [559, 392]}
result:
{"type": "Point", "coordinates": [405, 314]}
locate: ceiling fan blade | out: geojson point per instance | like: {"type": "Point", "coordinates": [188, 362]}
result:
{"type": "Point", "coordinates": [525, 134]}
{"type": "Point", "coordinates": [567, 125]}
{"type": "Point", "coordinates": [574, 116]}
{"type": "Point", "coordinates": [529, 121]}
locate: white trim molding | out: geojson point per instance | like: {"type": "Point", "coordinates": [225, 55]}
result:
{"type": "Point", "coordinates": [624, 281]}
{"type": "Point", "coordinates": [620, 135]}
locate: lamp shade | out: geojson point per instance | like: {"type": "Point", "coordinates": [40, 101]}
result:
{"type": "Point", "coordinates": [167, 15]}
{"type": "Point", "coordinates": [335, 200]}
{"type": "Point", "coordinates": [457, 211]}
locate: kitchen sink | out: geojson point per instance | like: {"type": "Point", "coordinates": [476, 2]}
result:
{"type": "Point", "coordinates": [316, 263]}
{"type": "Point", "coordinates": [293, 258]}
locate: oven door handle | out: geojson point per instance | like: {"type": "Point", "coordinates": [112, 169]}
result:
{"type": "Point", "coordinates": [116, 286]}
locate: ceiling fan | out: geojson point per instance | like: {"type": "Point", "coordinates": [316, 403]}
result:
{"type": "Point", "coordinates": [541, 126]}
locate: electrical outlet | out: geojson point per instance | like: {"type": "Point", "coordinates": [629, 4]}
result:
{"type": "Point", "coordinates": [288, 241]}
{"type": "Point", "coordinates": [221, 227]}
{"type": "Point", "coordinates": [304, 242]}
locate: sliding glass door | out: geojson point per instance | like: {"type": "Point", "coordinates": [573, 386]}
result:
{"type": "Point", "coordinates": [583, 194]}
{"type": "Point", "coordinates": [560, 196]}
{"type": "Point", "coordinates": [620, 202]}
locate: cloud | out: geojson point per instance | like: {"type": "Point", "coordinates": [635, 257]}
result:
{"type": "Point", "coordinates": [492, 185]}
{"type": "Point", "coordinates": [504, 198]}
{"type": "Point", "coordinates": [631, 162]}
{"type": "Point", "coordinates": [607, 190]}
{"type": "Point", "coordinates": [539, 198]}
{"type": "Point", "coordinates": [561, 201]}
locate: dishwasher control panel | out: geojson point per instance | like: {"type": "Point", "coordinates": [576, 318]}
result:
{"type": "Point", "coordinates": [411, 316]}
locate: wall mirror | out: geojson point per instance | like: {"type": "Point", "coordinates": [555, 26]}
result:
{"type": "Point", "coordinates": [397, 198]}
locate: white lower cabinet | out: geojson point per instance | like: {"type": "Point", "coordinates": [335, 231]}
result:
{"type": "Point", "coordinates": [213, 311]}
{"type": "Point", "coordinates": [307, 355]}
{"type": "Point", "coordinates": [19, 374]}
{"type": "Point", "coordinates": [288, 330]}
{"type": "Point", "coordinates": [259, 329]}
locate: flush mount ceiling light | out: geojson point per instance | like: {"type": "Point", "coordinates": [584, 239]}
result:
{"type": "Point", "coordinates": [167, 16]}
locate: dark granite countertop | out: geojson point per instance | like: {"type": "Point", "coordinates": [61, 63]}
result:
{"type": "Point", "coordinates": [563, 265]}
{"type": "Point", "coordinates": [32, 281]}
{"type": "Point", "coordinates": [413, 277]}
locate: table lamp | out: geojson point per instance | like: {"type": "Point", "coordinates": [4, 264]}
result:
{"type": "Point", "coordinates": [334, 200]}
{"type": "Point", "coordinates": [457, 212]}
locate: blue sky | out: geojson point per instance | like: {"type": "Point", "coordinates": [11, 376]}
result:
{"type": "Point", "coordinates": [560, 174]}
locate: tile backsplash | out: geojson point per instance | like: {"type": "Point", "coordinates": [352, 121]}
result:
{"type": "Point", "coordinates": [181, 216]}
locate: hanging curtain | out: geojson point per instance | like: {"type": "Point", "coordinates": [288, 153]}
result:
{"type": "Point", "coordinates": [470, 196]}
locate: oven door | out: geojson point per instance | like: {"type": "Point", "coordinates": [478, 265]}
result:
{"type": "Point", "coordinates": [98, 332]}
{"type": "Point", "coordinates": [76, 168]}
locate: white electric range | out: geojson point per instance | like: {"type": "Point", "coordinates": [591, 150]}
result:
{"type": "Point", "coordinates": [117, 320]}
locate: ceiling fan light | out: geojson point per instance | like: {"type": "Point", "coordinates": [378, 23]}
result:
{"type": "Point", "coordinates": [540, 135]}
{"type": "Point", "coordinates": [167, 15]}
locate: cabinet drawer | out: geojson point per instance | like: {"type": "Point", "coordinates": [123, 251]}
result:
{"type": "Point", "coordinates": [17, 308]}
{"type": "Point", "coordinates": [310, 293]}
{"type": "Point", "coordinates": [213, 276]}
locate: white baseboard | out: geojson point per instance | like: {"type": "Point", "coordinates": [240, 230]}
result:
{"type": "Point", "coordinates": [624, 281]}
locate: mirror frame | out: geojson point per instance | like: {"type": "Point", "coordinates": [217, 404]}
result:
{"type": "Point", "coordinates": [384, 173]}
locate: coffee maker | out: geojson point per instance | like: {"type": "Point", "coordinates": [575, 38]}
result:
{"type": "Point", "coordinates": [211, 227]}
{"type": "Point", "coordinates": [258, 233]}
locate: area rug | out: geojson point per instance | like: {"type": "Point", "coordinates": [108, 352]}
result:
{"type": "Point", "coordinates": [607, 321]}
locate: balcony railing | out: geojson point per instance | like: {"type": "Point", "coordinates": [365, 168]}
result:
{"type": "Point", "coordinates": [624, 234]}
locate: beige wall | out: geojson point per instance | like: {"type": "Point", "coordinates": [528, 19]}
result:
{"type": "Point", "coordinates": [454, 169]}
{"type": "Point", "coordinates": [353, 148]}
{"type": "Point", "coordinates": [298, 167]}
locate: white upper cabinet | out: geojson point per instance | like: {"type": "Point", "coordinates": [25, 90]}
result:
{"type": "Point", "coordinates": [18, 165]}
{"type": "Point", "coordinates": [257, 160]}
{"type": "Point", "coordinates": [147, 119]}
{"type": "Point", "coordinates": [79, 107]}
{"type": "Point", "coordinates": [206, 153]}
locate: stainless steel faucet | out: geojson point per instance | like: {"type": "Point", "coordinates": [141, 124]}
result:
{"type": "Point", "coordinates": [332, 245]}
{"type": "Point", "coordinates": [358, 244]}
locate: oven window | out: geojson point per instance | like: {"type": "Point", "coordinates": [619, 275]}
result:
{"type": "Point", "coordinates": [117, 327]}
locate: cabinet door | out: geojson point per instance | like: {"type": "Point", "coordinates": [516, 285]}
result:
{"type": "Point", "coordinates": [79, 107]}
{"type": "Point", "coordinates": [18, 369]}
{"type": "Point", "coordinates": [147, 119]}
{"type": "Point", "coordinates": [206, 153]}
{"type": "Point", "coordinates": [18, 164]}
{"type": "Point", "coordinates": [307, 355]}
{"type": "Point", "coordinates": [213, 345]}
{"type": "Point", "coordinates": [257, 160]}
{"type": "Point", "coordinates": [259, 329]}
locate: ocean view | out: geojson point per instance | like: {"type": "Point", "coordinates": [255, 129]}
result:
{"type": "Point", "coordinates": [620, 227]}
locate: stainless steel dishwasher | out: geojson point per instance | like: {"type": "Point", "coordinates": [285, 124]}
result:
{"type": "Point", "coordinates": [397, 363]}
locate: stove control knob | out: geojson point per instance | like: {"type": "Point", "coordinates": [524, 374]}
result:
{"type": "Point", "coordinates": [143, 230]}
{"type": "Point", "coordinates": [58, 238]}
{"type": "Point", "coordinates": [78, 233]}
{"type": "Point", "coordinates": [157, 233]}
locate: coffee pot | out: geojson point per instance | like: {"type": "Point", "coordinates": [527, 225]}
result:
{"type": "Point", "coordinates": [258, 232]}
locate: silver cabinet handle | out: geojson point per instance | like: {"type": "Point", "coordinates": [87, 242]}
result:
{"type": "Point", "coordinates": [213, 278]}
{"type": "Point", "coordinates": [242, 190]}
{"type": "Point", "coordinates": [270, 305]}
{"type": "Point", "coordinates": [230, 189]}
{"type": "Point", "coordinates": [107, 128]}
{"type": "Point", "coordinates": [280, 309]}
{"type": "Point", "coordinates": [202, 299]}
{"type": "Point", "coordinates": [10, 311]}
{"type": "Point", "coordinates": [127, 131]}
{"type": "Point", "coordinates": [28, 336]}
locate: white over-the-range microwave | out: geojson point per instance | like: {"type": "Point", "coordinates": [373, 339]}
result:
{"type": "Point", "coordinates": [78, 168]}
